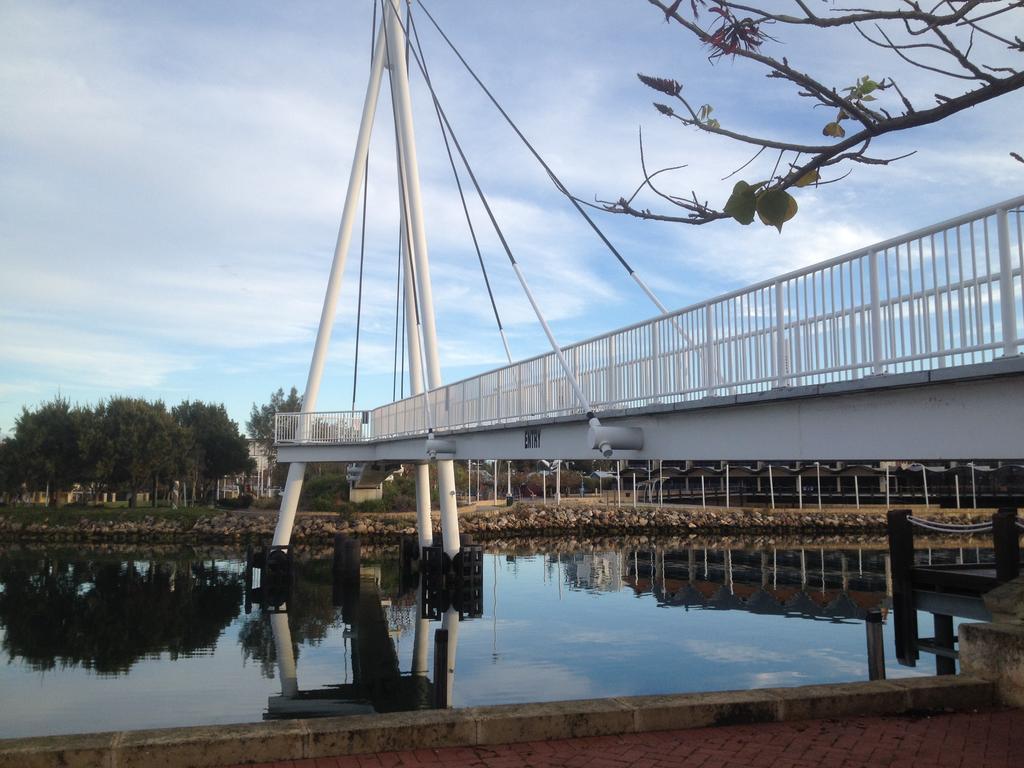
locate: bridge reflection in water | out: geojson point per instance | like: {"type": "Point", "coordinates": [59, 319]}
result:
{"type": "Point", "coordinates": [820, 584]}
{"type": "Point", "coordinates": [373, 621]}
{"type": "Point", "coordinates": [804, 583]}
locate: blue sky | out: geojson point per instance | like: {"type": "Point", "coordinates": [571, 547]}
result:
{"type": "Point", "coordinates": [172, 175]}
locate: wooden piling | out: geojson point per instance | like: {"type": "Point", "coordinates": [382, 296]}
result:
{"type": "Point", "coordinates": [901, 561]}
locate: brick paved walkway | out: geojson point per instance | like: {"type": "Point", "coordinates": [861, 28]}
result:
{"type": "Point", "coordinates": [993, 739]}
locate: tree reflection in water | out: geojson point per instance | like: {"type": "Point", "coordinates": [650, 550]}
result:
{"type": "Point", "coordinates": [107, 614]}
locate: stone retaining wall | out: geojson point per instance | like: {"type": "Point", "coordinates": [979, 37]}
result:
{"type": "Point", "coordinates": [207, 746]}
{"type": "Point", "coordinates": [519, 520]}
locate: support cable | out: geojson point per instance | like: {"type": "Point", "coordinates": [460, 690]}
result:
{"type": "Point", "coordinates": [362, 241]}
{"type": "Point", "coordinates": [716, 375]}
{"type": "Point", "coordinates": [401, 372]}
{"type": "Point", "coordinates": [359, 300]}
{"type": "Point", "coordinates": [398, 319]}
{"type": "Point", "coordinates": [462, 198]}
{"type": "Point", "coordinates": [570, 376]}
{"type": "Point", "coordinates": [551, 174]}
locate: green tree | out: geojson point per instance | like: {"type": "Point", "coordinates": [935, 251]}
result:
{"type": "Point", "coordinates": [260, 425]}
{"type": "Point", "coordinates": [213, 446]}
{"type": "Point", "coordinates": [11, 474]}
{"type": "Point", "coordinates": [47, 443]}
{"type": "Point", "coordinates": [133, 443]}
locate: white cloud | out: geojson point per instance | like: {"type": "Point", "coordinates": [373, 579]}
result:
{"type": "Point", "coordinates": [88, 360]}
{"type": "Point", "coordinates": [731, 653]}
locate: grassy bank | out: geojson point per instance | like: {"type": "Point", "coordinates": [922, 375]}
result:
{"type": "Point", "coordinates": [72, 514]}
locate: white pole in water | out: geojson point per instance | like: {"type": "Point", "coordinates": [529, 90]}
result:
{"type": "Point", "coordinates": [856, 492]}
{"type": "Point", "coordinates": [407, 146]}
{"type": "Point", "coordinates": [285, 655]}
{"type": "Point", "coordinates": [469, 481]}
{"type": "Point", "coordinates": [558, 482]}
{"type": "Point", "coordinates": [956, 485]}
{"type": "Point", "coordinates": [450, 623]}
{"type": "Point", "coordinates": [634, 489]}
{"type": "Point", "coordinates": [494, 480]}
{"type": "Point", "coordinates": [420, 642]}
{"type": "Point", "coordinates": [771, 485]}
{"type": "Point", "coordinates": [618, 486]}
{"type": "Point", "coordinates": [661, 483]}
{"type": "Point", "coordinates": [924, 478]}
{"type": "Point", "coordinates": [887, 485]}
{"type": "Point", "coordinates": [974, 495]}
{"type": "Point", "coordinates": [817, 469]}
{"type": "Point", "coordinates": [703, 497]}
{"type": "Point", "coordinates": [544, 487]}
{"type": "Point", "coordinates": [726, 485]}
{"type": "Point", "coordinates": [508, 492]}
{"type": "Point", "coordinates": [297, 469]}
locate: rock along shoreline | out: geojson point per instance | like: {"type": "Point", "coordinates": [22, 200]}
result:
{"type": "Point", "coordinates": [519, 520]}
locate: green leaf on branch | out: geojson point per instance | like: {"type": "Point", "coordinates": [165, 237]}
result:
{"type": "Point", "coordinates": [775, 207]}
{"type": "Point", "coordinates": [742, 202]}
{"type": "Point", "coordinates": [835, 130]}
{"type": "Point", "coordinates": [866, 85]}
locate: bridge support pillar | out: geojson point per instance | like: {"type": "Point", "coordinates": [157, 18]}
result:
{"type": "Point", "coordinates": [297, 470]}
{"type": "Point", "coordinates": [424, 526]}
{"type": "Point", "coordinates": [417, 240]}
{"type": "Point", "coordinates": [289, 503]}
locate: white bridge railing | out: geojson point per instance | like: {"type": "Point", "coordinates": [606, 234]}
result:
{"type": "Point", "coordinates": [947, 295]}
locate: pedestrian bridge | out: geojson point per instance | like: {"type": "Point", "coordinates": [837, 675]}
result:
{"type": "Point", "coordinates": [907, 348]}
{"type": "Point", "coordinates": [904, 349]}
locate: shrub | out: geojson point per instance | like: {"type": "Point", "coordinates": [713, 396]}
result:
{"type": "Point", "coordinates": [242, 502]}
{"type": "Point", "coordinates": [324, 493]}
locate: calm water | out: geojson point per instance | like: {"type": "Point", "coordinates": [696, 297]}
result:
{"type": "Point", "coordinates": [101, 640]}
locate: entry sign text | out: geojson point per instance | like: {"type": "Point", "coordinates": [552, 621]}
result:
{"type": "Point", "coordinates": [531, 438]}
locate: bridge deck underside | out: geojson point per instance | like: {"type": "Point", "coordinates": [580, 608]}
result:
{"type": "Point", "coordinates": [957, 413]}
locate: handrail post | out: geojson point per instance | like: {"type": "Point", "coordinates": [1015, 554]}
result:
{"type": "Point", "coordinates": [876, 316]}
{"type": "Point", "coordinates": [611, 395]}
{"type": "Point", "coordinates": [780, 337]}
{"type": "Point", "coordinates": [709, 368]}
{"type": "Point", "coordinates": [901, 563]}
{"type": "Point", "coordinates": [655, 360]}
{"type": "Point", "coordinates": [1007, 301]}
{"type": "Point", "coordinates": [546, 385]}
{"type": "Point", "coordinates": [1006, 543]}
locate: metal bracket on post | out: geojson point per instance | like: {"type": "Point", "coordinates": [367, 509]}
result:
{"type": "Point", "coordinates": [437, 446]}
{"type": "Point", "coordinates": [607, 440]}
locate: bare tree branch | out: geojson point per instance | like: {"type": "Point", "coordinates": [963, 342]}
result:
{"type": "Point", "coordinates": [921, 37]}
